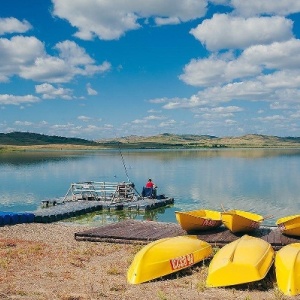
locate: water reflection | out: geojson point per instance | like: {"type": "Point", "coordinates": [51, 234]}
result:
{"type": "Point", "coordinates": [265, 181]}
{"type": "Point", "coordinates": [107, 217]}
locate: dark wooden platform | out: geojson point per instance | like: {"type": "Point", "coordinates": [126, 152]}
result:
{"type": "Point", "coordinates": [131, 231]}
{"type": "Point", "coordinates": [143, 232]}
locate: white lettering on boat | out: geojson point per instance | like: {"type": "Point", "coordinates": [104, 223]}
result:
{"type": "Point", "coordinates": [182, 261]}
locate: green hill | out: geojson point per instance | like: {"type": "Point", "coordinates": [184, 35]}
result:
{"type": "Point", "coordinates": [32, 139]}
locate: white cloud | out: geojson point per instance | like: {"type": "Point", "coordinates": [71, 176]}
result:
{"type": "Point", "coordinates": [32, 62]}
{"type": "Point", "coordinates": [110, 20]}
{"type": "Point", "coordinates": [278, 55]}
{"type": "Point", "coordinates": [228, 32]}
{"type": "Point", "coordinates": [153, 117]}
{"type": "Point", "coordinates": [90, 90]}
{"type": "Point", "coordinates": [169, 123]}
{"type": "Point", "coordinates": [272, 118]}
{"type": "Point", "coordinates": [217, 70]}
{"type": "Point", "coordinates": [167, 21]}
{"type": "Point", "coordinates": [23, 123]}
{"type": "Point", "coordinates": [276, 58]}
{"type": "Point", "coordinates": [13, 25]}
{"type": "Point", "coordinates": [6, 99]}
{"type": "Point", "coordinates": [72, 61]}
{"type": "Point", "coordinates": [13, 54]}
{"type": "Point", "coordinates": [84, 118]}
{"type": "Point", "coordinates": [258, 7]}
{"type": "Point", "coordinates": [48, 91]}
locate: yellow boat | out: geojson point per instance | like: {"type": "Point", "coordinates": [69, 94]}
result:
{"type": "Point", "coordinates": [198, 219]}
{"type": "Point", "coordinates": [289, 225]}
{"type": "Point", "coordinates": [287, 268]}
{"type": "Point", "coordinates": [166, 256]}
{"type": "Point", "coordinates": [241, 221]}
{"type": "Point", "coordinates": [245, 260]}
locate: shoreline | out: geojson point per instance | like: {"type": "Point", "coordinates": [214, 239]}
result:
{"type": "Point", "coordinates": [44, 261]}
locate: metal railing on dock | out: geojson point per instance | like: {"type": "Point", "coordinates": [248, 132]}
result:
{"type": "Point", "coordinates": [99, 190]}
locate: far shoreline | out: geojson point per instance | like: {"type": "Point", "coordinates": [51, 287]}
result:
{"type": "Point", "coordinates": [72, 147]}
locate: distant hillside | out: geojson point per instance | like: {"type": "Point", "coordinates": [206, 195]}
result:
{"type": "Point", "coordinates": [167, 140]}
{"type": "Point", "coordinates": [32, 139]}
{"type": "Point", "coordinates": [159, 141]}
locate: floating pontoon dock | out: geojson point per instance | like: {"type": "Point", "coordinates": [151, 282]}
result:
{"type": "Point", "coordinates": [90, 196]}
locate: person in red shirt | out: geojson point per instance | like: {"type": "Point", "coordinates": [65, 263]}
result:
{"type": "Point", "coordinates": [150, 184]}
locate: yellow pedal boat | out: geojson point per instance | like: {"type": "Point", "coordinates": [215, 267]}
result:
{"type": "Point", "coordinates": [241, 221]}
{"type": "Point", "coordinates": [287, 268]}
{"type": "Point", "coordinates": [289, 225]}
{"type": "Point", "coordinates": [166, 256]}
{"type": "Point", "coordinates": [245, 260]}
{"type": "Point", "coordinates": [198, 219]}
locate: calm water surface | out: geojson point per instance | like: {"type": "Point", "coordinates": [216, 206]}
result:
{"type": "Point", "coordinates": [265, 181]}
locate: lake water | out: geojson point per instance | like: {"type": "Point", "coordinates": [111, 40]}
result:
{"type": "Point", "coordinates": [265, 181]}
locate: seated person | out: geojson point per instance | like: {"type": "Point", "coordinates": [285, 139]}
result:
{"type": "Point", "coordinates": [149, 190]}
{"type": "Point", "coordinates": [150, 184]}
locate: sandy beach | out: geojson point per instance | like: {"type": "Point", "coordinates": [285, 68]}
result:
{"type": "Point", "coordinates": [44, 261]}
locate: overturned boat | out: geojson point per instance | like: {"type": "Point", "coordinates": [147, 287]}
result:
{"type": "Point", "coordinates": [287, 269]}
{"type": "Point", "coordinates": [289, 225]}
{"type": "Point", "coordinates": [245, 260]}
{"type": "Point", "coordinates": [194, 220]}
{"type": "Point", "coordinates": [166, 256]}
{"type": "Point", "coordinates": [241, 221]}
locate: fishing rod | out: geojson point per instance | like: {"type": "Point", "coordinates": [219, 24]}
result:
{"type": "Point", "coordinates": [123, 161]}
{"type": "Point", "coordinates": [125, 168]}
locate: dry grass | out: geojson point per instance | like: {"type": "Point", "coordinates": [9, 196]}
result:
{"type": "Point", "coordinates": [44, 261]}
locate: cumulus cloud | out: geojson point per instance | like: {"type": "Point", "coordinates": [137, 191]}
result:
{"type": "Point", "coordinates": [259, 7]}
{"type": "Point", "coordinates": [32, 62]}
{"type": "Point", "coordinates": [84, 118]}
{"type": "Point", "coordinates": [253, 61]}
{"type": "Point", "coordinates": [72, 61]}
{"type": "Point", "coordinates": [90, 90]}
{"type": "Point", "coordinates": [13, 25]}
{"type": "Point", "coordinates": [48, 91]}
{"type": "Point", "coordinates": [13, 54]}
{"type": "Point", "coordinates": [227, 32]}
{"type": "Point", "coordinates": [6, 99]}
{"type": "Point", "coordinates": [23, 123]}
{"type": "Point", "coordinates": [109, 20]}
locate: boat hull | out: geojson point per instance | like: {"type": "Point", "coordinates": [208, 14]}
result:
{"type": "Point", "coordinates": [245, 260]}
{"type": "Point", "coordinates": [289, 225]}
{"type": "Point", "coordinates": [241, 221]}
{"type": "Point", "coordinates": [166, 256]}
{"type": "Point", "coordinates": [198, 219]}
{"type": "Point", "coordinates": [287, 269]}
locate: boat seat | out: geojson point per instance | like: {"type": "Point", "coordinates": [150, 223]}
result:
{"type": "Point", "coordinates": [149, 192]}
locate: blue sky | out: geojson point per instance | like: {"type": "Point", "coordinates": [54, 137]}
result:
{"type": "Point", "coordinates": [100, 68]}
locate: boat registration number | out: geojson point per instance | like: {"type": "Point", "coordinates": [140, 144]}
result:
{"type": "Point", "coordinates": [182, 261]}
{"type": "Point", "coordinates": [211, 223]}
{"type": "Point", "coordinates": [254, 224]}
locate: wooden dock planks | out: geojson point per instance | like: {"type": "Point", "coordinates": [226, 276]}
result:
{"type": "Point", "coordinates": [143, 232]}
{"type": "Point", "coordinates": [131, 231]}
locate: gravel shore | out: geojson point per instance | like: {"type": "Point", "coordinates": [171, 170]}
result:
{"type": "Point", "coordinates": [44, 261]}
